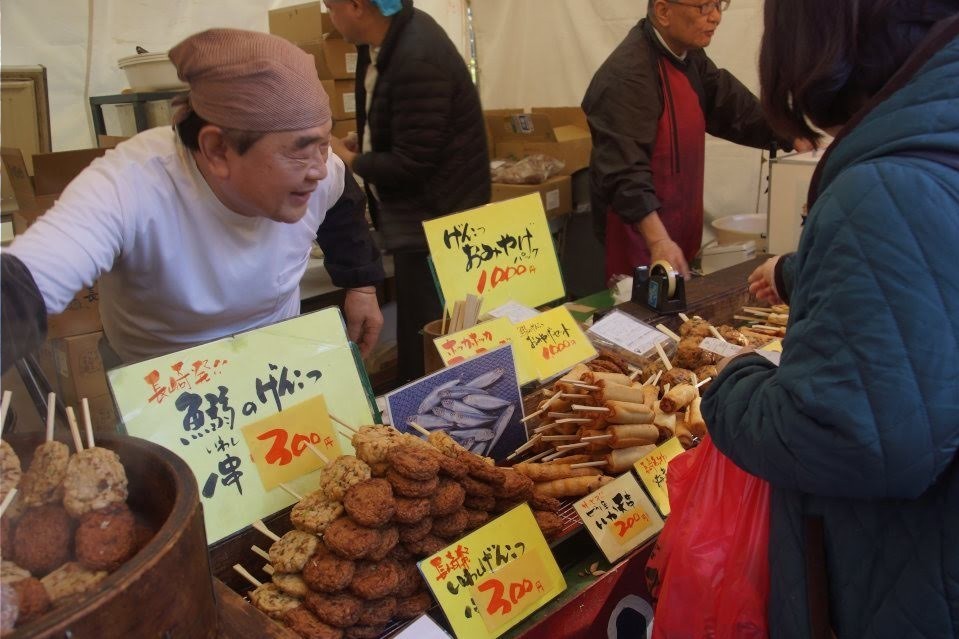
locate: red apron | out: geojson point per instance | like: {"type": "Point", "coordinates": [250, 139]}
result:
{"type": "Point", "coordinates": [677, 168]}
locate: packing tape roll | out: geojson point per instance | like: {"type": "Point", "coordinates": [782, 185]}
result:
{"type": "Point", "coordinates": [671, 275]}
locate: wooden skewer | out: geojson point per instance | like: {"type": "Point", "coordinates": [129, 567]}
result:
{"type": "Point", "coordinates": [705, 381]}
{"type": "Point", "coordinates": [574, 396]}
{"type": "Point", "coordinates": [51, 414]}
{"type": "Point", "coordinates": [662, 356]}
{"type": "Point", "coordinates": [532, 442]}
{"type": "Point", "coordinates": [268, 569]}
{"type": "Point", "coordinates": [656, 378]}
{"type": "Point", "coordinates": [695, 383]}
{"type": "Point", "coordinates": [87, 424]}
{"type": "Point", "coordinates": [560, 438]}
{"type": "Point", "coordinates": [582, 385]}
{"type": "Point", "coordinates": [260, 552]}
{"type": "Point", "coordinates": [596, 438]}
{"type": "Point", "coordinates": [572, 446]}
{"type": "Point", "coordinates": [419, 429]}
{"type": "Point", "coordinates": [246, 575]}
{"type": "Point", "coordinates": [539, 456]}
{"type": "Point", "coordinates": [443, 324]}
{"type": "Point", "coordinates": [7, 500]}
{"type": "Point", "coordinates": [590, 409]}
{"type": "Point", "coordinates": [684, 317]}
{"type": "Point", "coordinates": [573, 420]}
{"type": "Point", "coordinates": [767, 327]}
{"type": "Point", "coordinates": [555, 455]}
{"type": "Point", "coordinates": [589, 464]}
{"type": "Point", "coordinates": [292, 492]}
{"type": "Point", "coordinates": [636, 373]}
{"type": "Point", "coordinates": [532, 415]}
{"type": "Point", "coordinates": [717, 334]}
{"type": "Point", "coordinates": [259, 525]}
{"type": "Point", "coordinates": [746, 319]}
{"type": "Point", "coordinates": [74, 429]}
{"type": "Point", "coordinates": [4, 407]}
{"type": "Point", "coordinates": [560, 415]}
{"type": "Point", "coordinates": [754, 310]}
{"type": "Point", "coordinates": [342, 423]}
{"type": "Point", "coordinates": [668, 333]}
{"type": "Point", "coordinates": [544, 428]}
{"type": "Point", "coordinates": [316, 451]}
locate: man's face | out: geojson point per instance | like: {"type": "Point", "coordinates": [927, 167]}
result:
{"type": "Point", "coordinates": [277, 175]}
{"type": "Point", "coordinates": [345, 15]}
{"type": "Point", "coordinates": [684, 27]}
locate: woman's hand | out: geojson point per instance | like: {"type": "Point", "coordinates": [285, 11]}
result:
{"type": "Point", "coordinates": [762, 282]}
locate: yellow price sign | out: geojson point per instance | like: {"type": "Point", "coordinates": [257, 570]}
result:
{"type": "Point", "coordinates": [466, 344]}
{"type": "Point", "coordinates": [652, 471]}
{"type": "Point", "coordinates": [619, 516]}
{"type": "Point", "coordinates": [279, 443]}
{"type": "Point", "coordinates": [494, 577]}
{"type": "Point", "coordinates": [502, 251]}
{"type": "Point", "coordinates": [775, 346]}
{"type": "Point", "coordinates": [553, 342]}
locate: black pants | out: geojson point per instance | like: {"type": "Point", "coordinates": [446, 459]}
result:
{"type": "Point", "coordinates": [417, 303]}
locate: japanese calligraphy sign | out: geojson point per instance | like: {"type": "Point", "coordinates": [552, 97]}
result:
{"type": "Point", "coordinates": [200, 402]}
{"type": "Point", "coordinates": [719, 347]}
{"type": "Point", "coordinates": [459, 347]}
{"type": "Point", "coordinates": [278, 443]}
{"type": "Point", "coordinates": [553, 342]}
{"type": "Point", "coordinates": [493, 578]}
{"type": "Point", "coordinates": [619, 516]}
{"type": "Point", "coordinates": [652, 471]}
{"type": "Point", "coordinates": [502, 251]}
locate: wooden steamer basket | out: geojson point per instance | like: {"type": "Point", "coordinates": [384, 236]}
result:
{"type": "Point", "coordinates": [166, 589]}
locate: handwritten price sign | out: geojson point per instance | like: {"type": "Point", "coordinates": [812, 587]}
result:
{"type": "Point", "coordinates": [619, 516]}
{"type": "Point", "coordinates": [502, 251]}
{"type": "Point", "coordinates": [468, 343]}
{"type": "Point", "coordinates": [494, 577]}
{"type": "Point", "coordinates": [652, 471]}
{"type": "Point", "coordinates": [553, 342]}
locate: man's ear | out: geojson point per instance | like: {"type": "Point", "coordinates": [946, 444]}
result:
{"type": "Point", "coordinates": [214, 148]}
{"type": "Point", "coordinates": [661, 13]}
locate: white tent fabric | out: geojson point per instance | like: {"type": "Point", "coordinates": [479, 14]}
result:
{"type": "Point", "coordinates": [530, 53]}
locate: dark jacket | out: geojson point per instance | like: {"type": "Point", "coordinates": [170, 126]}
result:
{"type": "Point", "coordinates": [429, 155]}
{"type": "Point", "coordinates": [623, 105]}
{"type": "Point", "coordinates": [859, 426]}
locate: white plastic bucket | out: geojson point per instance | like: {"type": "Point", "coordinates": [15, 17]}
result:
{"type": "Point", "coordinates": [150, 72]}
{"type": "Point", "coordinates": [734, 229]}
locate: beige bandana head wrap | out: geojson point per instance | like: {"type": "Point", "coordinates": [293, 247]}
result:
{"type": "Point", "coordinates": [249, 81]}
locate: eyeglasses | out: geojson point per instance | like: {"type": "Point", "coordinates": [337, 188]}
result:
{"type": "Point", "coordinates": [705, 9]}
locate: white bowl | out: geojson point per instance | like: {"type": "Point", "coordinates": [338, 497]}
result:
{"type": "Point", "coordinates": [150, 72]}
{"type": "Point", "coordinates": [734, 229]}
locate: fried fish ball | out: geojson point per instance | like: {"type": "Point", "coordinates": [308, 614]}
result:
{"type": "Point", "coordinates": [378, 612]}
{"type": "Point", "coordinates": [675, 376]}
{"type": "Point", "coordinates": [450, 526]}
{"type": "Point", "coordinates": [390, 536]}
{"type": "Point", "coordinates": [413, 606]}
{"type": "Point", "coordinates": [291, 583]}
{"type": "Point", "coordinates": [9, 607]}
{"type": "Point", "coordinates": [549, 523]}
{"type": "Point", "coordinates": [292, 551]}
{"type": "Point", "coordinates": [341, 610]}
{"type": "Point", "coordinates": [43, 481]}
{"type": "Point", "coordinates": [315, 512]}
{"type": "Point", "coordinates": [271, 601]}
{"type": "Point", "coordinates": [413, 462]}
{"type": "Point", "coordinates": [410, 510]}
{"type": "Point", "coordinates": [448, 498]}
{"type": "Point", "coordinates": [71, 579]}
{"type": "Point", "coordinates": [350, 540]}
{"type": "Point", "coordinates": [415, 532]}
{"type": "Point", "coordinates": [343, 472]}
{"type": "Point", "coordinates": [405, 487]}
{"type": "Point", "coordinates": [43, 540]}
{"type": "Point", "coordinates": [690, 355]}
{"type": "Point", "coordinates": [10, 472]}
{"type": "Point", "coordinates": [327, 572]}
{"type": "Point", "coordinates": [106, 538]}
{"type": "Point", "coordinates": [694, 327]}
{"type": "Point", "coordinates": [375, 580]}
{"type": "Point", "coordinates": [370, 503]}
{"type": "Point", "coordinates": [732, 335]}
{"type": "Point", "coordinates": [95, 479]}
{"type": "Point", "coordinates": [305, 624]}
{"type": "Point", "coordinates": [33, 599]}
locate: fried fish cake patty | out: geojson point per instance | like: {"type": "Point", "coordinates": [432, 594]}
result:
{"type": "Point", "coordinates": [478, 469]}
{"type": "Point", "coordinates": [364, 632]}
{"type": "Point", "coordinates": [292, 551]}
{"type": "Point", "coordinates": [304, 623]}
{"type": "Point", "coordinates": [350, 540]}
{"type": "Point", "coordinates": [428, 545]}
{"type": "Point", "coordinates": [406, 487]}
{"type": "Point", "coordinates": [413, 462]}
{"type": "Point", "coordinates": [375, 580]}
{"type": "Point", "coordinates": [410, 510]}
{"type": "Point", "coordinates": [448, 498]}
{"type": "Point", "coordinates": [413, 606]}
{"type": "Point", "coordinates": [479, 502]}
{"type": "Point", "coordinates": [549, 504]}
{"type": "Point", "coordinates": [370, 503]}
{"type": "Point", "coordinates": [271, 601]}
{"type": "Point", "coordinates": [476, 488]}
{"type": "Point", "coordinates": [389, 538]}
{"type": "Point", "coordinates": [291, 583]}
{"type": "Point", "coordinates": [340, 610]}
{"type": "Point", "coordinates": [315, 512]}
{"type": "Point", "coordinates": [378, 612]}
{"type": "Point", "coordinates": [549, 523]}
{"type": "Point", "coordinates": [415, 532]}
{"type": "Point", "coordinates": [343, 472]}
{"type": "Point", "coordinates": [450, 466]}
{"type": "Point", "coordinates": [450, 526]}
{"type": "Point", "coordinates": [475, 518]}
{"type": "Point", "coordinates": [517, 486]}
{"type": "Point", "coordinates": [327, 572]}
{"type": "Point", "coordinates": [71, 579]}
{"type": "Point", "coordinates": [411, 581]}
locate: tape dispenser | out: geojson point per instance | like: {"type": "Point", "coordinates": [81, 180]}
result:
{"type": "Point", "coordinates": [659, 287]}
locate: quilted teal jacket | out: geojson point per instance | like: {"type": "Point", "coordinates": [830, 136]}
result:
{"type": "Point", "coordinates": [859, 425]}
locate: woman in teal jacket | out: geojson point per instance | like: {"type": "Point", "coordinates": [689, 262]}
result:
{"type": "Point", "coordinates": [857, 430]}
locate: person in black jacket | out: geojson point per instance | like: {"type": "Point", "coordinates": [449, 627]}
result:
{"type": "Point", "coordinates": [421, 146]}
{"type": "Point", "coordinates": [649, 107]}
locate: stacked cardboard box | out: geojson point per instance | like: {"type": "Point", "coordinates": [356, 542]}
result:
{"type": "Point", "coordinates": [309, 27]}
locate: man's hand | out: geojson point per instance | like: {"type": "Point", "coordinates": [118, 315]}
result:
{"type": "Point", "coordinates": [351, 142]}
{"type": "Point", "coordinates": [802, 145]}
{"type": "Point", "coordinates": [666, 249]}
{"type": "Point", "coordinates": [762, 282]}
{"type": "Point", "coordinates": [363, 317]}
{"type": "Point", "coordinates": [343, 151]}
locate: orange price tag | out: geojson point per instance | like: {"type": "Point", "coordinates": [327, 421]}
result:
{"type": "Point", "coordinates": [631, 524]}
{"type": "Point", "coordinates": [508, 593]}
{"type": "Point", "coordinates": [619, 516]}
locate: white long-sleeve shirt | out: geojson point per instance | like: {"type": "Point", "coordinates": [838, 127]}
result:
{"type": "Point", "coordinates": [176, 267]}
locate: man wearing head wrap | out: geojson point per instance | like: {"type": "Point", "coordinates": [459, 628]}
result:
{"type": "Point", "coordinates": [205, 230]}
{"type": "Point", "coordinates": [421, 149]}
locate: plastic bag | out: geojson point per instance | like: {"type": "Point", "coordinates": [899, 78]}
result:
{"type": "Point", "coordinates": [533, 169]}
{"type": "Point", "coordinates": [710, 567]}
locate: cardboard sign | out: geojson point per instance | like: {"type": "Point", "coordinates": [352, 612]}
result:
{"type": "Point", "coordinates": [493, 578]}
{"type": "Point", "coordinates": [468, 343]}
{"type": "Point", "coordinates": [198, 403]}
{"type": "Point", "coordinates": [423, 627]}
{"type": "Point", "coordinates": [553, 342]}
{"type": "Point", "coordinates": [652, 471]}
{"type": "Point", "coordinates": [477, 402]}
{"type": "Point", "coordinates": [619, 516]}
{"type": "Point", "coordinates": [719, 347]}
{"type": "Point", "coordinates": [514, 311]}
{"type": "Point", "coordinates": [502, 251]}
{"type": "Point", "coordinates": [623, 330]}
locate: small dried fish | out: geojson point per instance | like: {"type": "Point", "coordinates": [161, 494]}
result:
{"type": "Point", "coordinates": [485, 402]}
{"type": "Point", "coordinates": [433, 398]}
{"type": "Point", "coordinates": [429, 421]}
{"type": "Point", "coordinates": [460, 407]}
{"type": "Point", "coordinates": [461, 420]}
{"type": "Point", "coordinates": [487, 379]}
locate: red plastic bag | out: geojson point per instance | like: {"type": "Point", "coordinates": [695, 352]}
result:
{"type": "Point", "coordinates": [710, 566]}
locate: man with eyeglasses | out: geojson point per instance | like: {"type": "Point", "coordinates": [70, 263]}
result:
{"type": "Point", "coordinates": [649, 108]}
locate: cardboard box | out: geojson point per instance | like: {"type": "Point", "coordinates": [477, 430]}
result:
{"type": "Point", "coordinates": [79, 367]}
{"type": "Point", "coordinates": [523, 134]}
{"type": "Point", "coordinates": [302, 23]}
{"type": "Point", "coordinates": [334, 59]}
{"type": "Point", "coordinates": [103, 413]}
{"type": "Point", "coordinates": [82, 315]}
{"type": "Point", "coordinates": [342, 98]}
{"type": "Point", "coordinates": [556, 193]}
{"type": "Point", "coordinates": [342, 128]}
